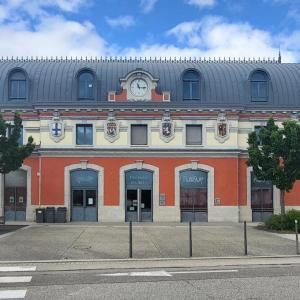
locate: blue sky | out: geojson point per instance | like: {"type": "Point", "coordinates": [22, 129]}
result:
{"type": "Point", "coordinates": [210, 28]}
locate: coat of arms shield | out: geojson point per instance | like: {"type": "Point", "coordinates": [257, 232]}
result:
{"type": "Point", "coordinates": [111, 129]}
{"type": "Point", "coordinates": [57, 129]}
{"type": "Point", "coordinates": [222, 128]}
{"type": "Point", "coordinates": [166, 129]}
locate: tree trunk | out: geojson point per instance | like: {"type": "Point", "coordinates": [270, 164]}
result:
{"type": "Point", "coordinates": [282, 204]}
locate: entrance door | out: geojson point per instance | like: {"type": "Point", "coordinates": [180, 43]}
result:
{"type": "Point", "coordinates": [138, 205]}
{"type": "Point", "coordinates": [15, 196]}
{"type": "Point", "coordinates": [139, 198]}
{"type": "Point", "coordinates": [193, 196]}
{"type": "Point", "coordinates": [84, 206]}
{"type": "Point", "coordinates": [261, 199]}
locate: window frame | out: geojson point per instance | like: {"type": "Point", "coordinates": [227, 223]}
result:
{"type": "Point", "coordinates": [21, 138]}
{"type": "Point", "coordinates": [202, 136]}
{"type": "Point", "coordinates": [24, 80]}
{"type": "Point", "coordinates": [79, 74]}
{"type": "Point", "coordinates": [253, 81]}
{"type": "Point", "coordinates": [76, 134]}
{"type": "Point", "coordinates": [147, 135]}
{"type": "Point", "coordinates": [190, 82]}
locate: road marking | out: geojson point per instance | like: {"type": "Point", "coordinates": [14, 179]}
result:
{"type": "Point", "coordinates": [149, 274]}
{"type": "Point", "coordinates": [17, 269]}
{"type": "Point", "coordinates": [163, 273]}
{"type": "Point", "coordinates": [14, 279]}
{"type": "Point", "coordinates": [204, 272]}
{"type": "Point", "coordinates": [11, 294]}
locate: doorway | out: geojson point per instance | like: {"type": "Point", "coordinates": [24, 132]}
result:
{"type": "Point", "coordinates": [139, 204]}
{"type": "Point", "coordinates": [84, 204]}
{"type": "Point", "coordinates": [15, 196]}
{"type": "Point", "coordinates": [261, 199]}
{"type": "Point", "coordinates": [193, 196]}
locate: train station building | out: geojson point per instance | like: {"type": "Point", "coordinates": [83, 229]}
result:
{"type": "Point", "coordinates": [144, 140]}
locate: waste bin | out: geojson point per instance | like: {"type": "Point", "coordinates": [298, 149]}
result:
{"type": "Point", "coordinates": [40, 215]}
{"type": "Point", "coordinates": [50, 214]}
{"type": "Point", "coordinates": [61, 215]}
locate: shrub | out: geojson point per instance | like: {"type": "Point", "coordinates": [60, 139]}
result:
{"type": "Point", "coordinates": [284, 222]}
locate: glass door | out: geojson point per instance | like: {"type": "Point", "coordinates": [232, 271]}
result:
{"type": "Point", "coordinates": [146, 205]}
{"type": "Point", "coordinates": [90, 206]}
{"type": "Point", "coordinates": [132, 205]}
{"type": "Point", "coordinates": [77, 205]}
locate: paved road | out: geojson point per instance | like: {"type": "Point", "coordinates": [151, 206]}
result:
{"type": "Point", "coordinates": [88, 241]}
{"type": "Point", "coordinates": [238, 282]}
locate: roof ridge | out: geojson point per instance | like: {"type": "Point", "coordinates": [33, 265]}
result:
{"type": "Point", "coordinates": [139, 59]}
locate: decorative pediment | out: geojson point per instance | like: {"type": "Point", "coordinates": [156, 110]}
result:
{"type": "Point", "coordinates": [56, 128]}
{"type": "Point", "coordinates": [222, 128]}
{"type": "Point", "coordinates": [138, 85]}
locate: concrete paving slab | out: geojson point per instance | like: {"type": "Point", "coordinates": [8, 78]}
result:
{"type": "Point", "coordinates": [150, 240]}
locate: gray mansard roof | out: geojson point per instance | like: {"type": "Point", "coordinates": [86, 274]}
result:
{"type": "Point", "coordinates": [53, 83]}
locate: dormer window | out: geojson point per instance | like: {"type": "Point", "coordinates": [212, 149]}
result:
{"type": "Point", "coordinates": [191, 85]}
{"type": "Point", "coordinates": [259, 86]}
{"type": "Point", "coordinates": [17, 85]}
{"type": "Point", "coordinates": [86, 85]}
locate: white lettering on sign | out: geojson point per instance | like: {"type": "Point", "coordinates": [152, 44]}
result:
{"type": "Point", "coordinates": [193, 179]}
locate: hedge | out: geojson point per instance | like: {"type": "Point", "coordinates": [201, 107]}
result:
{"type": "Point", "coordinates": [284, 222]}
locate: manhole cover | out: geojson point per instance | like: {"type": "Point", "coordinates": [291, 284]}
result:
{"type": "Point", "coordinates": [79, 247]}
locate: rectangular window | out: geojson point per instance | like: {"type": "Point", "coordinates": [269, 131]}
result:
{"type": "Point", "coordinates": [18, 89]}
{"type": "Point", "coordinates": [259, 91]}
{"type": "Point", "coordinates": [194, 134]}
{"type": "Point", "coordinates": [10, 131]}
{"type": "Point", "coordinates": [191, 90]}
{"type": "Point", "coordinates": [84, 134]}
{"type": "Point", "coordinates": [257, 129]}
{"type": "Point", "coordinates": [139, 135]}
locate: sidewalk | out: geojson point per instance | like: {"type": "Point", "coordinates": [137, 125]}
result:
{"type": "Point", "coordinates": [150, 240]}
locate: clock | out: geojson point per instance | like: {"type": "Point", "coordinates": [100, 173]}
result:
{"type": "Point", "coordinates": [138, 87]}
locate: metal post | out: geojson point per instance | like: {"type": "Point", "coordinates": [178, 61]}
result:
{"type": "Point", "coordinates": [130, 239]}
{"type": "Point", "coordinates": [190, 239]}
{"type": "Point", "coordinates": [297, 240]}
{"type": "Point", "coordinates": [245, 238]}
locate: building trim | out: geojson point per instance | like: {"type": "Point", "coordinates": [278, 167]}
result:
{"type": "Point", "coordinates": [83, 165]}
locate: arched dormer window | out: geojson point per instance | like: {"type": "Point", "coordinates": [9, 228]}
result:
{"type": "Point", "coordinates": [86, 85]}
{"type": "Point", "coordinates": [17, 85]}
{"type": "Point", "coordinates": [259, 86]}
{"type": "Point", "coordinates": [191, 85]}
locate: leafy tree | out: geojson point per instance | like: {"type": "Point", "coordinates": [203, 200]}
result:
{"type": "Point", "coordinates": [274, 154]}
{"type": "Point", "coordinates": [12, 154]}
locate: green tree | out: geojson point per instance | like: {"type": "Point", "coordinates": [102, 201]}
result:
{"type": "Point", "coordinates": [274, 154]}
{"type": "Point", "coordinates": [12, 154]}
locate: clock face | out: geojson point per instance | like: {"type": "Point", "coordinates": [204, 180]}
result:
{"type": "Point", "coordinates": [139, 87]}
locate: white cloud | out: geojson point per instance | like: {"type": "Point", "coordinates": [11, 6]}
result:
{"type": "Point", "coordinates": [215, 37]}
{"type": "Point", "coordinates": [121, 21]}
{"type": "Point", "coordinates": [147, 5]}
{"type": "Point", "coordinates": [201, 3]}
{"type": "Point", "coordinates": [54, 36]}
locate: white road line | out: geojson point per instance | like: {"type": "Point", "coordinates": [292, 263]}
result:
{"type": "Point", "coordinates": [11, 294]}
{"type": "Point", "coordinates": [14, 279]}
{"type": "Point", "coordinates": [148, 274]}
{"type": "Point", "coordinates": [17, 269]}
{"type": "Point", "coordinates": [204, 272]}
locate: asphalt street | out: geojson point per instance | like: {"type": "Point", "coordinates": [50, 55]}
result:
{"type": "Point", "coordinates": [231, 282]}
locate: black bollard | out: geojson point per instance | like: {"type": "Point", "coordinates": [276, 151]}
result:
{"type": "Point", "coordinates": [245, 238]}
{"type": "Point", "coordinates": [297, 240]}
{"type": "Point", "coordinates": [190, 239]}
{"type": "Point", "coordinates": [130, 239]}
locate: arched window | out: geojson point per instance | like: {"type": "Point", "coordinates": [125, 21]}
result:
{"type": "Point", "coordinates": [86, 85]}
{"type": "Point", "coordinates": [259, 86]}
{"type": "Point", "coordinates": [191, 85]}
{"type": "Point", "coordinates": [17, 85]}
